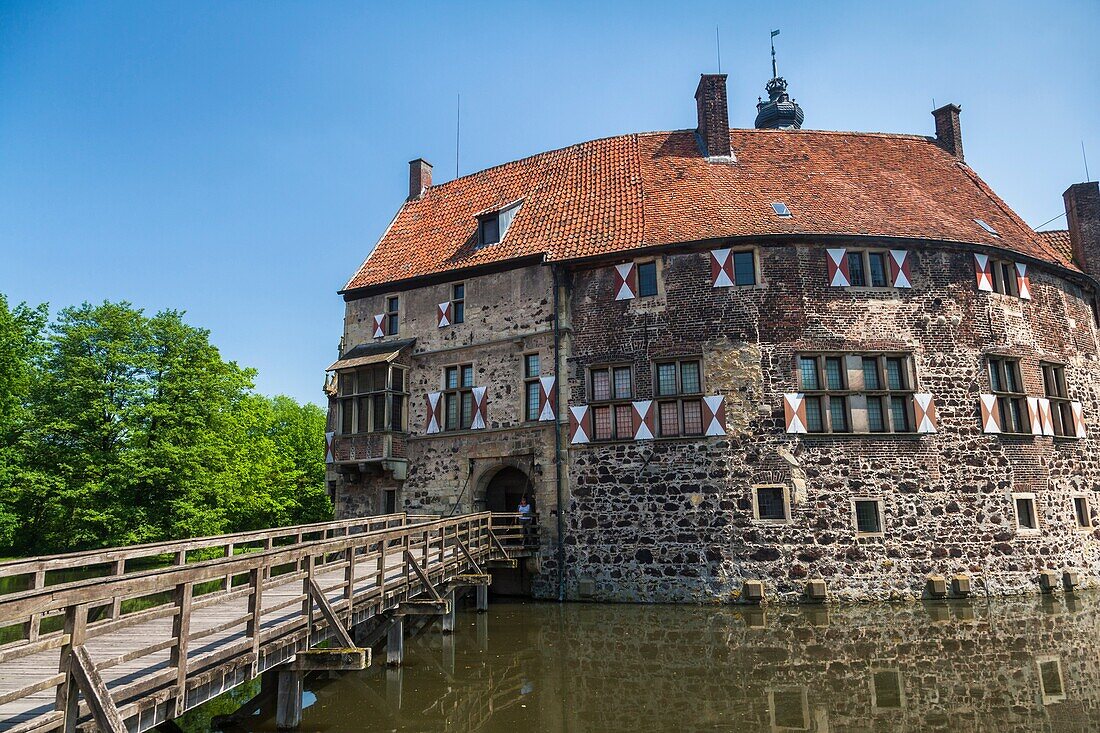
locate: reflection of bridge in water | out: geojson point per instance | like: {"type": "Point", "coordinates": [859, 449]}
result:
{"type": "Point", "coordinates": [1010, 666]}
{"type": "Point", "coordinates": [132, 637]}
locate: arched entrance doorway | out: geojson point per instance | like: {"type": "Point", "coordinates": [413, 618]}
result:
{"type": "Point", "coordinates": [505, 488]}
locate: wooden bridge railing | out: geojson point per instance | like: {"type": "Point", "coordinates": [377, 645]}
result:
{"type": "Point", "coordinates": [143, 645]}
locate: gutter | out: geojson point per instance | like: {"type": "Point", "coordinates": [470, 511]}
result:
{"type": "Point", "coordinates": [557, 439]}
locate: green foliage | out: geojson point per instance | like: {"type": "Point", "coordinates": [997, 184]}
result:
{"type": "Point", "coordinates": [118, 428]}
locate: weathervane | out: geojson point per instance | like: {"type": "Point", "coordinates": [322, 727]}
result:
{"type": "Point", "coordinates": [775, 73]}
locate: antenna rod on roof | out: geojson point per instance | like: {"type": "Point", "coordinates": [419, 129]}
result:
{"type": "Point", "coordinates": [458, 129]}
{"type": "Point", "coordinates": [775, 73]}
{"type": "Point", "coordinates": [718, 43]}
{"type": "Point", "coordinates": [1085, 158]}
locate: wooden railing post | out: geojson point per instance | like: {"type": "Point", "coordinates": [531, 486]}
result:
{"type": "Point", "coordinates": [307, 602]}
{"type": "Point", "coordinates": [181, 630]}
{"type": "Point", "coordinates": [255, 610]}
{"type": "Point", "coordinates": [67, 702]}
{"type": "Point", "coordinates": [381, 571]}
{"type": "Point", "coordinates": [229, 578]}
{"type": "Point", "coordinates": [349, 581]}
{"type": "Point", "coordinates": [116, 602]}
{"type": "Point", "coordinates": [31, 628]}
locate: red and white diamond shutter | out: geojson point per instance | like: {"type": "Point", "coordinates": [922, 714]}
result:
{"type": "Point", "coordinates": [1045, 416]}
{"type": "Point", "coordinates": [794, 412]}
{"type": "Point", "coordinates": [721, 268]}
{"type": "Point", "coordinates": [642, 419]}
{"type": "Point", "coordinates": [899, 268]}
{"type": "Point", "coordinates": [435, 410]}
{"type": "Point", "coordinates": [714, 415]}
{"type": "Point", "coordinates": [626, 281]}
{"type": "Point", "coordinates": [839, 277]}
{"type": "Point", "coordinates": [330, 455]}
{"type": "Point", "coordinates": [443, 312]}
{"type": "Point", "coordinates": [983, 271]}
{"type": "Point", "coordinates": [380, 325]}
{"type": "Point", "coordinates": [579, 426]}
{"type": "Point", "coordinates": [924, 413]}
{"type": "Point", "coordinates": [548, 401]}
{"type": "Point", "coordinates": [481, 409]}
{"type": "Point", "coordinates": [991, 413]}
{"type": "Point", "coordinates": [1035, 415]}
{"type": "Point", "coordinates": [1078, 419]}
{"type": "Point", "coordinates": [1023, 281]}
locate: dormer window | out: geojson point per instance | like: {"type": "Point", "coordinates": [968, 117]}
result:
{"type": "Point", "coordinates": [492, 226]}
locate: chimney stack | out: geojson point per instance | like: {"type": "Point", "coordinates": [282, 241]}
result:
{"type": "Point", "coordinates": [1083, 216]}
{"type": "Point", "coordinates": [948, 131]}
{"type": "Point", "coordinates": [420, 177]}
{"type": "Point", "coordinates": [714, 118]}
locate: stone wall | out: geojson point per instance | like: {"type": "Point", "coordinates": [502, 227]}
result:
{"type": "Point", "coordinates": [672, 519]}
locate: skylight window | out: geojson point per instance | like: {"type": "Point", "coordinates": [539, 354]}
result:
{"type": "Point", "coordinates": [781, 210]}
{"type": "Point", "coordinates": [986, 227]}
{"type": "Point", "coordinates": [493, 226]}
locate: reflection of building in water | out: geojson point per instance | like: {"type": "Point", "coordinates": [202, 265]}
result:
{"type": "Point", "coordinates": [1013, 666]}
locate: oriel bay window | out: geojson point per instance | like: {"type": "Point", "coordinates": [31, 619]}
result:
{"type": "Point", "coordinates": [1054, 385]}
{"type": "Point", "coordinates": [857, 393]}
{"type": "Point", "coordinates": [678, 388]}
{"type": "Point", "coordinates": [372, 399]}
{"type": "Point", "coordinates": [610, 389]}
{"type": "Point", "coordinates": [458, 397]}
{"type": "Point", "coordinates": [1008, 389]}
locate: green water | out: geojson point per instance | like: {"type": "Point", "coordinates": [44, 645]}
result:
{"type": "Point", "coordinates": [1026, 664]}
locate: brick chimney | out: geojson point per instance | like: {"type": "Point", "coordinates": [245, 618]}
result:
{"type": "Point", "coordinates": [714, 118]}
{"type": "Point", "coordinates": [420, 177]}
{"type": "Point", "coordinates": [1083, 216]}
{"type": "Point", "coordinates": [948, 132]}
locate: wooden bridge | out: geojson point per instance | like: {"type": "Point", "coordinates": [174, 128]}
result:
{"type": "Point", "coordinates": [124, 639]}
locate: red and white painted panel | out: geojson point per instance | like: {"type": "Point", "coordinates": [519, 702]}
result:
{"type": "Point", "coordinates": [626, 281]}
{"type": "Point", "coordinates": [548, 400]}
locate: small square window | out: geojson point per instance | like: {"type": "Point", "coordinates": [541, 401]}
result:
{"type": "Point", "coordinates": [489, 230]}
{"type": "Point", "coordinates": [771, 504]}
{"type": "Point", "coordinates": [624, 422]}
{"type": "Point", "coordinates": [877, 263]}
{"type": "Point", "coordinates": [467, 376]}
{"type": "Point", "coordinates": [856, 274]}
{"type": "Point", "coordinates": [875, 421]}
{"type": "Point", "coordinates": [666, 378]}
{"type": "Point", "coordinates": [868, 516]}
{"type": "Point", "coordinates": [622, 383]}
{"type": "Point", "coordinates": [781, 209]}
{"type": "Point", "coordinates": [814, 421]}
{"type": "Point", "coordinates": [689, 377]}
{"type": "Point", "coordinates": [838, 414]}
{"type": "Point", "coordinates": [1027, 519]}
{"type": "Point", "coordinates": [531, 366]}
{"type": "Point", "coordinates": [834, 373]}
{"type": "Point", "coordinates": [601, 422]}
{"type": "Point", "coordinates": [669, 418]}
{"type": "Point", "coordinates": [886, 690]}
{"type": "Point", "coordinates": [790, 710]}
{"type": "Point", "coordinates": [807, 366]}
{"type": "Point", "coordinates": [693, 417]}
{"type": "Point", "coordinates": [647, 279]}
{"type": "Point", "coordinates": [601, 384]}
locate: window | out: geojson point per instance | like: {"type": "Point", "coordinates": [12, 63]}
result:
{"type": "Point", "coordinates": [393, 316]}
{"type": "Point", "coordinates": [531, 387]}
{"type": "Point", "coordinates": [770, 504]}
{"type": "Point", "coordinates": [882, 404]}
{"type": "Point", "coordinates": [886, 691]}
{"type": "Point", "coordinates": [611, 420]}
{"type": "Point", "coordinates": [986, 227]}
{"type": "Point", "coordinates": [1027, 519]}
{"type": "Point", "coordinates": [789, 709]}
{"type": "Point", "coordinates": [1004, 277]}
{"type": "Point", "coordinates": [372, 399]}
{"type": "Point", "coordinates": [458, 303]}
{"type": "Point", "coordinates": [867, 268]}
{"type": "Point", "coordinates": [868, 516]}
{"type": "Point", "coordinates": [781, 209]}
{"type": "Point", "coordinates": [1007, 386]}
{"type": "Point", "coordinates": [647, 279]}
{"type": "Point", "coordinates": [458, 397]}
{"type": "Point", "coordinates": [1051, 684]}
{"type": "Point", "coordinates": [1081, 513]}
{"type": "Point", "coordinates": [493, 227]}
{"type": "Point", "coordinates": [1054, 385]}
{"type": "Point", "coordinates": [682, 380]}
{"type": "Point", "coordinates": [744, 268]}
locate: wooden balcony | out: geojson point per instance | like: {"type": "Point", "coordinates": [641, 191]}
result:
{"type": "Point", "coordinates": [368, 447]}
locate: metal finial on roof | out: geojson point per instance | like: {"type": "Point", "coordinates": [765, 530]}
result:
{"type": "Point", "coordinates": [780, 112]}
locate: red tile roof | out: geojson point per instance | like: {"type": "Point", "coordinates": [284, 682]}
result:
{"type": "Point", "coordinates": [1058, 240]}
{"type": "Point", "coordinates": [616, 194]}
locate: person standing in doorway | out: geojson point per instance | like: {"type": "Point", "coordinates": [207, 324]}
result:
{"type": "Point", "coordinates": [525, 517]}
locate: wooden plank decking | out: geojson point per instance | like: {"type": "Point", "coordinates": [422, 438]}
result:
{"type": "Point", "coordinates": [166, 639]}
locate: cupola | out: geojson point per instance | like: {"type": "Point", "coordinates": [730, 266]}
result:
{"type": "Point", "coordinates": [780, 112]}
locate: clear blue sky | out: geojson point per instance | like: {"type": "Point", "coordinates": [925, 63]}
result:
{"type": "Point", "coordinates": [238, 160]}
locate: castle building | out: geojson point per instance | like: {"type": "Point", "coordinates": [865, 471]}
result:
{"type": "Point", "coordinates": [711, 355]}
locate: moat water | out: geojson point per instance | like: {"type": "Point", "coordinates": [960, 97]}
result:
{"type": "Point", "coordinates": [1021, 664]}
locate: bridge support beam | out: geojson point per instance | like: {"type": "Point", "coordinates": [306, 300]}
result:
{"type": "Point", "coordinates": [482, 598]}
{"type": "Point", "coordinates": [395, 642]}
{"type": "Point", "coordinates": [288, 706]}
